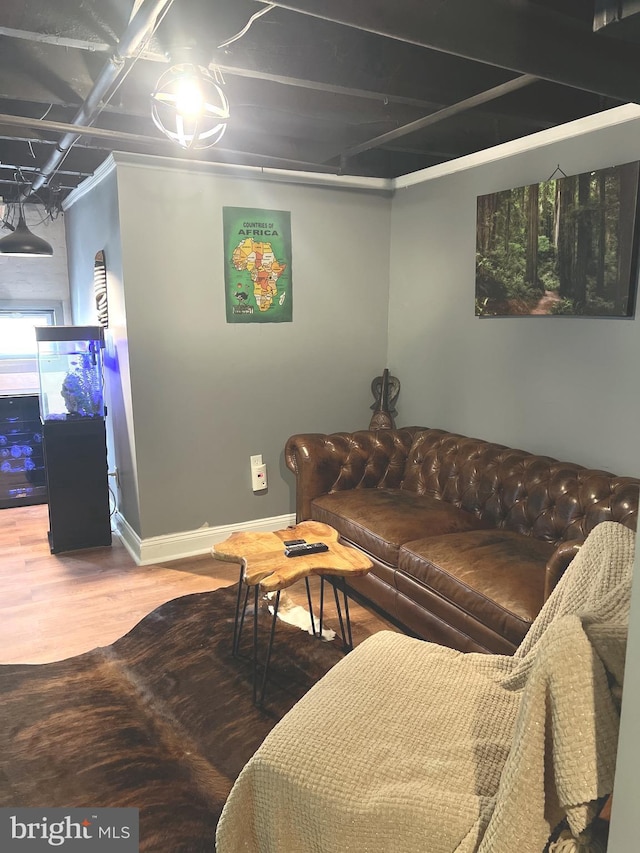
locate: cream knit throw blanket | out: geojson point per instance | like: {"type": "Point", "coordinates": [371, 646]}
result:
{"type": "Point", "coordinates": [410, 747]}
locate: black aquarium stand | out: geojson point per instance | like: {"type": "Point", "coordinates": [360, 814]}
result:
{"type": "Point", "coordinates": [22, 478]}
{"type": "Point", "coordinates": [77, 482]}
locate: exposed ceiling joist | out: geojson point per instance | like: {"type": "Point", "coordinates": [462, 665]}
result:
{"type": "Point", "coordinates": [228, 69]}
{"type": "Point", "coordinates": [111, 140]}
{"type": "Point", "coordinates": [448, 112]}
{"type": "Point", "coordinates": [58, 41]}
{"type": "Point", "coordinates": [522, 37]}
{"type": "Point", "coordinates": [383, 88]}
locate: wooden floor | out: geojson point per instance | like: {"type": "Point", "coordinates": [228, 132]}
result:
{"type": "Point", "coordinates": [56, 606]}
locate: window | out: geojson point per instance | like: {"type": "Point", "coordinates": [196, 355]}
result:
{"type": "Point", "coordinates": [17, 332]}
{"type": "Point", "coordinates": [18, 348]}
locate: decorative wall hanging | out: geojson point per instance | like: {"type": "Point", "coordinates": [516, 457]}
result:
{"type": "Point", "coordinates": [385, 390]}
{"type": "Point", "coordinates": [567, 246]}
{"type": "Point", "coordinates": [100, 289]}
{"type": "Point", "coordinates": [257, 265]}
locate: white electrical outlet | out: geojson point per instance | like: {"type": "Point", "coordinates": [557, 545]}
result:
{"type": "Point", "coordinates": [258, 473]}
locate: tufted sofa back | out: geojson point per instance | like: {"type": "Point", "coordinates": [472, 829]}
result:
{"type": "Point", "coordinates": [535, 495]}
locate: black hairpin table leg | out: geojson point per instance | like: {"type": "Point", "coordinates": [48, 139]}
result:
{"type": "Point", "coordinates": [321, 614]}
{"type": "Point", "coordinates": [241, 609]}
{"type": "Point", "coordinates": [313, 622]}
{"type": "Point", "coordinates": [255, 642]}
{"type": "Point", "coordinates": [267, 659]}
{"type": "Point", "coordinates": [345, 624]}
{"type": "Point", "coordinates": [240, 612]}
{"type": "Point", "coordinates": [347, 639]}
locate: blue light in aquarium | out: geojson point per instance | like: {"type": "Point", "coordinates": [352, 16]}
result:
{"type": "Point", "coordinates": [20, 493]}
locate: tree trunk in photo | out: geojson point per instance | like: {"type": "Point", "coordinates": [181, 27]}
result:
{"type": "Point", "coordinates": [485, 224]}
{"type": "Point", "coordinates": [583, 242]}
{"type": "Point", "coordinates": [556, 215]}
{"type": "Point", "coordinates": [566, 230]}
{"type": "Point", "coordinates": [602, 233]}
{"type": "Point", "coordinates": [533, 218]}
{"type": "Point", "coordinates": [627, 214]}
{"type": "Point", "coordinates": [507, 225]}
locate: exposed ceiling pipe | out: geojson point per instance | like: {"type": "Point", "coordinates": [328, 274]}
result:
{"type": "Point", "coordinates": [137, 30]}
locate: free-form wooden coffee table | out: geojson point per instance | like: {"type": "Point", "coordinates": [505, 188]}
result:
{"type": "Point", "coordinates": [264, 566]}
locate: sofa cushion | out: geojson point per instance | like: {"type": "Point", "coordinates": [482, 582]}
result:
{"type": "Point", "coordinates": [380, 520]}
{"type": "Point", "coordinates": [494, 576]}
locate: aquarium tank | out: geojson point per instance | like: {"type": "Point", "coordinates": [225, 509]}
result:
{"type": "Point", "coordinates": [70, 371]}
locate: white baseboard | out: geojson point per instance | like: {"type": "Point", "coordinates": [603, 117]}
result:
{"type": "Point", "coordinates": [190, 543]}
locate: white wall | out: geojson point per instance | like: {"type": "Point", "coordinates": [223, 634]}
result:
{"type": "Point", "coordinates": [556, 385]}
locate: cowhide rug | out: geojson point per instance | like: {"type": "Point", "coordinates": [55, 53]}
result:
{"type": "Point", "coordinates": [161, 720]}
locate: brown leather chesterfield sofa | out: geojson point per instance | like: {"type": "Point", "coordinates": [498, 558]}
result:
{"type": "Point", "coordinates": [468, 538]}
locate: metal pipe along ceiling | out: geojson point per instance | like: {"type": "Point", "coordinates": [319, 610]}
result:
{"type": "Point", "coordinates": [138, 28]}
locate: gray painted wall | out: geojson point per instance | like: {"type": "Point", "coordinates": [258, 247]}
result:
{"type": "Point", "coordinates": [555, 385]}
{"type": "Point", "coordinates": [207, 394]}
{"type": "Point", "coordinates": [93, 225]}
{"type": "Point", "coordinates": [623, 837]}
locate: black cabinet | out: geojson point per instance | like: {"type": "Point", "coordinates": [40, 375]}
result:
{"type": "Point", "coordinates": [22, 477]}
{"type": "Point", "coordinates": [77, 482]}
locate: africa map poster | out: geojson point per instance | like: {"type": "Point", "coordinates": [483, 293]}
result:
{"type": "Point", "coordinates": [257, 265]}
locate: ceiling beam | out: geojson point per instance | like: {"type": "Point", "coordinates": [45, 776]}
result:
{"type": "Point", "coordinates": [58, 41]}
{"type": "Point", "coordinates": [233, 70]}
{"type": "Point", "coordinates": [112, 139]}
{"type": "Point", "coordinates": [441, 115]}
{"type": "Point", "coordinates": [523, 37]}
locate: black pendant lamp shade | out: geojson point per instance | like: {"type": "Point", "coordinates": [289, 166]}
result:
{"type": "Point", "coordinates": [23, 243]}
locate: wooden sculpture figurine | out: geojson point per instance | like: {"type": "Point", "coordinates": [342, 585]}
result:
{"type": "Point", "coordinates": [385, 390]}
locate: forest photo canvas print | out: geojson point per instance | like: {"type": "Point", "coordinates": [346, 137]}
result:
{"type": "Point", "coordinates": [566, 246]}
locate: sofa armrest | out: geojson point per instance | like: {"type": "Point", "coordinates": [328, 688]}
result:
{"type": "Point", "coordinates": [342, 460]}
{"type": "Point", "coordinates": [558, 562]}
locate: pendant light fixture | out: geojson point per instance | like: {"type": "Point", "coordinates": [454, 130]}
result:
{"type": "Point", "coordinates": [22, 243]}
{"type": "Point", "coordinates": [189, 105]}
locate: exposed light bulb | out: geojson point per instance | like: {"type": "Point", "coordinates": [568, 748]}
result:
{"type": "Point", "coordinates": [189, 99]}
{"type": "Point", "coordinates": [189, 106]}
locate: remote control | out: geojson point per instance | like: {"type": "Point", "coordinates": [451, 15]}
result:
{"type": "Point", "coordinates": [290, 542]}
{"type": "Point", "coordinates": [308, 548]}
